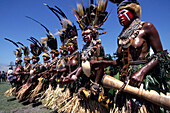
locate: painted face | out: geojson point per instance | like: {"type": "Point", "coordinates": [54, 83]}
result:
{"type": "Point", "coordinates": [44, 58]}
{"type": "Point", "coordinates": [63, 52]}
{"type": "Point", "coordinates": [71, 48]}
{"type": "Point", "coordinates": [87, 35]}
{"type": "Point", "coordinates": [52, 55]}
{"type": "Point", "coordinates": [86, 38]}
{"type": "Point", "coordinates": [125, 17]}
{"type": "Point", "coordinates": [34, 61]}
{"type": "Point", "coordinates": [25, 61]}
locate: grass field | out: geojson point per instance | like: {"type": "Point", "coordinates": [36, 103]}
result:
{"type": "Point", "coordinates": [11, 105]}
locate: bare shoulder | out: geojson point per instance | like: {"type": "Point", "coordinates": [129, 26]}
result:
{"type": "Point", "coordinates": [148, 25]}
{"type": "Point", "coordinates": [150, 29]}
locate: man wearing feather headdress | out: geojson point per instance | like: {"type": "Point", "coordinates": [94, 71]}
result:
{"type": "Point", "coordinates": [18, 72]}
{"type": "Point", "coordinates": [43, 75]}
{"type": "Point", "coordinates": [90, 20]}
{"type": "Point", "coordinates": [134, 43]}
{"type": "Point", "coordinates": [45, 66]}
{"type": "Point", "coordinates": [66, 33]}
{"type": "Point", "coordinates": [27, 66]}
{"type": "Point", "coordinates": [35, 69]}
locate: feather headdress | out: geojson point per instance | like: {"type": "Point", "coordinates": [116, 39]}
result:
{"type": "Point", "coordinates": [68, 33]}
{"type": "Point", "coordinates": [51, 40]}
{"type": "Point", "coordinates": [132, 5]}
{"type": "Point", "coordinates": [18, 52]}
{"type": "Point", "coordinates": [116, 1]}
{"type": "Point", "coordinates": [26, 51]}
{"type": "Point", "coordinates": [93, 16]}
{"type": "Point", "coordinates": [36, 47]}
{"type": "Point", "coordinates": [45, 48]}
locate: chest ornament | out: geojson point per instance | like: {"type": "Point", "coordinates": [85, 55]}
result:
{"type": "Point", "coordinates": [127, 36]}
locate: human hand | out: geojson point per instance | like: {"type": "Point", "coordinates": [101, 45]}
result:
{"type": "Point", "coordinates": [136, 79]}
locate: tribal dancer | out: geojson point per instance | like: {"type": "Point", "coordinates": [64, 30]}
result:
{"type": "Point", "coordinates": [17, 73]}
{"type": "Point", "coordinates": [35, 69]}
{"type": "Point", "coordinates": [90, 20]}
{"type": "Point", "coordinates": [136, 65]}
{"type": "Point", "coordinates": [19, 68]}
{"type": "Point", "coordinates": [43, 74]}
{"type": "Point", "coordinates": [27, 66]}
{"type": "Point", "coordinates": [27, 69]}
{"type": "Point", "coordinates": [55, 94]}
{"type": "Point", "coordinates": [52, 44]}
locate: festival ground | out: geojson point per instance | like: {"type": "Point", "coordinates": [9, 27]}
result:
{"type": "Point", "coordinates": [11, 105]}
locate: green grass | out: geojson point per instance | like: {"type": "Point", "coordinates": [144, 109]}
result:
{"type": "Point", "coordinates": [11, 105]}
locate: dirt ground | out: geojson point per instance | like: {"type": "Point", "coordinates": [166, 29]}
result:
{"type": "Point", "coordinates": [11, 105]}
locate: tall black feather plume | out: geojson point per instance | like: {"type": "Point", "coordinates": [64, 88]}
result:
{"type": "Point", "coordinates": [18, 53]}
{"type": "Point", "coordinates": [52, 42]}
{"type": "Point", "coordinates": [31, 41]}
{"type": "Point", "coordinates": [11, 41]}
{"type": "Point", "coordinates": [20, 43]}
{"type": "Point", "coordinates": [60, 12]}
{"type": "Point", "coordinates": [52, 9]}
{"type": "Point", "coordinates": [34, 39]}
{"type": "Point", "coordinates": [25, 49]}
{"type": "Point", "coordinates": [116, 1]}
{"type": "Point", "coordinates": [36, 49]}
{"type": "Point", "coordinates": [94, 15]}
{"type": "Point", "coordinates": [69, 30]}
{"type": "Point", "coordinates": [91, 1]}
{"type": "Point", "coordinates": [38, 23]}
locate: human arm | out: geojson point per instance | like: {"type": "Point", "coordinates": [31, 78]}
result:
{"type": "Point", "coordinates": [152, 38]}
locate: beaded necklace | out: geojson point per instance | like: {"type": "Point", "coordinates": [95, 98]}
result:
{"type": "Point", "coordinates": [126, 36]}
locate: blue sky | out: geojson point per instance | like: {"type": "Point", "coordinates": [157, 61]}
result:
{"type": "Point", "coordinates": [14, 25]}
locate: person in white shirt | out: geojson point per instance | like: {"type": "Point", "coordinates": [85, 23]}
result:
{"type": "Point", "coordinates": [10, 75]}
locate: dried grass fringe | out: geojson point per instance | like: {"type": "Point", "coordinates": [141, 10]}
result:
{"type": "Point", "coordinates": [35, 92]}
{"type": "Point", "coordinates": [10, 92]}
{"type": "Point", "coordinates": [55, 99]}
{"type": "Point", "coordinates": [22, 91]}
{"type": "Point", "coordinates": [75, 105]}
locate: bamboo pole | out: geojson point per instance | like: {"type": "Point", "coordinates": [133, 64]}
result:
{"type": "Point", "coordinates": [151, 96]}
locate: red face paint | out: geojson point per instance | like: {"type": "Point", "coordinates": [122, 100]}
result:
{"type": "Point", "coordinates": [34, 61]}
{"type": "Point", "coordinates": [44, 58]}
{"type": "Point", "coordinates": [63, 52]}
{"type": "Point", "coordinates": [125, 17]}
{"type": "Point", "coordinates": [52, 55]}
{"type": "Point", "coordinates": [71, 48]}
{"type": "Point", "coordinates": [86, 37]}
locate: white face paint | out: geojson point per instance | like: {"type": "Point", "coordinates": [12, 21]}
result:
{"type": "Point", "coordinates": [124, 12]}
{"type": "Point", "coordinates": [125, 17]}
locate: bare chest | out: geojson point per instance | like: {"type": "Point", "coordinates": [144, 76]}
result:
{"type": "Point", "coordinates": [138, 47]}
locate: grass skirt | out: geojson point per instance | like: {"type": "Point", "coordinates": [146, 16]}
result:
{"type": "Point", "coordinates": [10, 92]}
